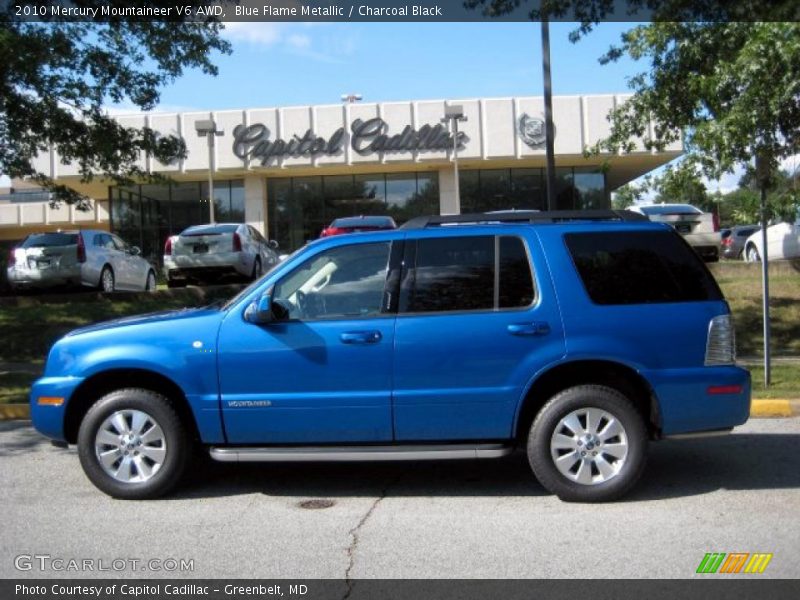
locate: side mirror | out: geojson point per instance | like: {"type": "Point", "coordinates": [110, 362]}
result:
{"type": "Point", "coordinates": [134, 251]}
{"type": "Point", "coordinates": [264, 310]}
{"type": "Point", "coordinates": [273, 244]}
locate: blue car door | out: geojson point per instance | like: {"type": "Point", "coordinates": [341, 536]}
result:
{"type": "Point", "coordinates": [475, 322]}
{"type": "Point", "coordinates": [323, 374]}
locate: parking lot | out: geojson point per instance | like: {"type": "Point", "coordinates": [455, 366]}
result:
{"type": "Point", "coordinates": [739, 493]}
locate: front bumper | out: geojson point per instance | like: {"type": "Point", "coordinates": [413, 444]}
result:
{"type": "Point", "coordinates": [686, 405]}
{"type": "Point", "coordinates": [48, 419]}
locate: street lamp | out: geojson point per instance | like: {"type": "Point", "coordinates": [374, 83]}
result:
{"type": "Point", "coordinates": [207, 128]}
{"type": "Point", "coordinates": [352, 98]}
{"type": "Point", "coordinates": [455, 113]}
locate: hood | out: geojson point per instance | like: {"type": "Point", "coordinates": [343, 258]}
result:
{"type": "Point", "coordinates": [147, 319]}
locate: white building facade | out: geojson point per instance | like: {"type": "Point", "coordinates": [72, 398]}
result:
{"type": "Point", "coordinates": [290, 171]}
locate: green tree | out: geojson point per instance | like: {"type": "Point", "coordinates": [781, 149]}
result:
{"type": "Point", "coordinates": [682, 184]}
{"type": "Point", "coordinates": [629, 194]}
{"type": "Point", "coordinates": [58, 76]}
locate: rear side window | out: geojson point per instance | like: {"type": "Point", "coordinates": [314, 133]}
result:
{"type": "Point", "coordinates": [48, 240]}
{"type": "Point", "coordinates": [640, 267]}
{"type": "Point", "coordinates": [469, 273]}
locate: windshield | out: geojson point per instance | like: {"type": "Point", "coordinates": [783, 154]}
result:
{"type": "Point", "coordinates": [210, 229]}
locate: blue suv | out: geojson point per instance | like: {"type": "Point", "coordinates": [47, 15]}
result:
{"type": "Point", "coordinates": [577, 336]}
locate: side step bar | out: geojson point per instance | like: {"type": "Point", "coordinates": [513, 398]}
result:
{"type": "Point", "coordinates": [358, 453]}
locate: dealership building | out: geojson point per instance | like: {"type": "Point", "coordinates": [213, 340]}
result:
{"type": "Point", "coordinates": [290, 171]}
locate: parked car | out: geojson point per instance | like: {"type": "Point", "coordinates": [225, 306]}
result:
{"type": "Point", "coordinates": [90, 258]}
{"type": "Point", "coordinates": [356, 224]}
{"type": "Point", "coordinates": [698, 228]}
{"type": "Point", "coordinates": [577, 338]}
{"type": "Point", "coordinates": [208, 253]}
{"type": "Point", "coordinates": [733, 240]}
{"type": "Point", "coordinates": [783, 241]}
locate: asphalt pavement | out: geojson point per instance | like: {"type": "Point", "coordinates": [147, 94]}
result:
{"type": "Point", "coordinates": [739, 493]}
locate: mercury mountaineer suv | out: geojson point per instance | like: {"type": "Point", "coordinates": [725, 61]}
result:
{"type": "Point", "coordinates": [576, 336]}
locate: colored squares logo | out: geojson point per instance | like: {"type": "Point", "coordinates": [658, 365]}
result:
{"type": "Point", "coordinates": [734, 562]}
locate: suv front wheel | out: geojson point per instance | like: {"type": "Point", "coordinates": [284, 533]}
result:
{"type": "Point", "coordinates": [588, 444]}
{"type": "Point", "coordinates": [133, 445]}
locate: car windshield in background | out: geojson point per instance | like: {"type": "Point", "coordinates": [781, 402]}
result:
{"type": "Point", "coordinates": [48, 240]}
{"type": "Point", "coordinates": [364, 222]}
{"type": "Point", "coordinates": [671, 209]}
{"type": "Point", "coordinates": [210, 229]}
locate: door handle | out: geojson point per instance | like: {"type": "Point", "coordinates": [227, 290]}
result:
{"type": "Point", "coordinates": [361, 337]}
{"type": "Point", "coordinates": [532, 328]}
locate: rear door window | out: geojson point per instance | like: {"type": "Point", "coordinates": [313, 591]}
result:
{"type": "Point", "coordinates": [467, 273]}
{"type": "Point", "coordinates": [639, 267]}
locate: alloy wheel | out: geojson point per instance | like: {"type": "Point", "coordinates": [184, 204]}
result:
{"type": "Point", "coordinates": [130, 446]}
{"type": "Point", "coordinates": [589, 446]}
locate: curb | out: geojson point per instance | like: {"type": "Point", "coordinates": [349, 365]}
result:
{"type": "Point", "coordinates": [774, 408]}
{"type": "Point", "coordinates": [759, 409]}
{"type": "Point", "coordinates": [14, 412]}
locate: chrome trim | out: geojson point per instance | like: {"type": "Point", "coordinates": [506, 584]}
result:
{"type": "Point", "coordinates": [359, 453]}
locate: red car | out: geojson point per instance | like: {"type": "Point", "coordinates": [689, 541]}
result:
{"type": "Point", "coordinates": [356, 224]}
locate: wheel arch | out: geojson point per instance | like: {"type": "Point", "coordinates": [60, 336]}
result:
{"type": "Point", "coordinates": [613, 374]}
{"type": "Point", "coordinates": [104, 382]}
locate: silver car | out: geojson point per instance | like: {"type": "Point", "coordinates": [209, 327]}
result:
{"type": "Point", "coordinates": [206, 253]}
{"type": "Point", "coordinates": [699, 229]}
{"type": "Point", "coordinates": [90, 258]}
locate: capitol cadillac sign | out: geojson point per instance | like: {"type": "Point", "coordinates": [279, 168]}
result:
{"type": "Point", "coordinates": [253, 142]}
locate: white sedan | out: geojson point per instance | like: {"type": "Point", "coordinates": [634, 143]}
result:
{"type": "Point", "coordinates": [783, 242]}
{"type": "Point", "coordinates": [698, 228]}
{"type": "Point", "coordinates": [208, 253]}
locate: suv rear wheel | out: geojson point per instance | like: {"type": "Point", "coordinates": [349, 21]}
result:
{"type": "Point", "coordinates": [133, 445]}
{"type": "Point", "coordinates": [588, 444]}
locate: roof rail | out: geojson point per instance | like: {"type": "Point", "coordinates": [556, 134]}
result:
{"type": "Point", "coordinates": [524, 216]}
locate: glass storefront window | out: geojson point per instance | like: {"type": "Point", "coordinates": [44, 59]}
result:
{"type": "Point", "coordinates": [590, 189]}
{"type": "Point", "coordinates": [528, 189]}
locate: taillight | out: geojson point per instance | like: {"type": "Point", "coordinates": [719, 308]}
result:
{"type": "Point", "coordinates": [715, 220]}
{"type": "Point", "coordinates": [237, 242]}
{"type": "Point", "coordinates": [721, 344]}
{"type": "Point", "coordinates": [727, 241]}
{"type": "Point", "coordinates": [81, 249]}
{"type": "Point", "coordinates": [168, 247]}
{"type": "Point", "coordinates": [12, 257]}
{"type": "Point", "coordinates": [328, 231]}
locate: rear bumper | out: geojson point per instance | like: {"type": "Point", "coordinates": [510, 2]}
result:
{"type": "Point", "coordinates": [43, 278]}
{"type": "Point", "coordinates": [48, 419]}
{"type": "Point", "coordinates": [207, 265]}
{"type": "Point", "coordinates": [686, 405]}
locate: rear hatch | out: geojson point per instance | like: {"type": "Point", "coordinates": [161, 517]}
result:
{"type": "Point", "coordinates": [42, 251]}
{"type": "Point", "coordinates": [204, 240]}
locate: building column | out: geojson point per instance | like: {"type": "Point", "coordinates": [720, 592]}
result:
{"type": "Point", "coordinates": [448, 203]}
{"type": "Point", "coordinates": [255, 202]}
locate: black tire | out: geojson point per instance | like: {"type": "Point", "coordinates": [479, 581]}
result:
{"type": "Point", "coordinates": [107, 272]}
{"type": "Point", "coordinates": [257, 269]}
{"type": "Point", "coordinates": [178, 444]}
{"type": "Point", "coordinates": [151, 284]}
{"type": "Point", "coordinates": [544, 427]}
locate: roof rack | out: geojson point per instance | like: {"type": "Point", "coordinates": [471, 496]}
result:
{"type": "Point", "coordinates": [524, 216]}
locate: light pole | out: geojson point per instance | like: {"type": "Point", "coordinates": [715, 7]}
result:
{"type": "Point", "coordinates": [548, 116]}
{"type": "Point", "coordinates": [352, 98]}
{"type": "Point", "coordinates": [455, 113]}
{"type": "Point", "coordinates": [208, 128]}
